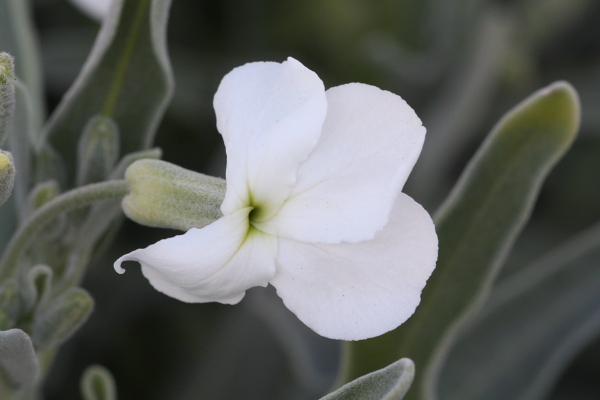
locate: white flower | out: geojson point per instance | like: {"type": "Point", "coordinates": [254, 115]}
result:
{"type": "Point", "coordinates": [313, 205]}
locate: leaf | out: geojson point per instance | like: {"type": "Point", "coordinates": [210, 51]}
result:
{"type": "Point", "coordinates": [10, 306]}
{"type": "Point", "coordinates": [127, 77]}
{"type": "Point", "coordinates": [18, 361]}
{"type": "Point", "coordinates": [389, 383]}
{"type": "Point", "coordinates": [477, 225]}
{"type": "Point", "coordinates": [36, 286]}
{"type": "Point", "coordinates": [537, 320]}
{"type": "Point", "coordinates": [97, 383]}
{"type": "Point", "coordinates": [61, 318]}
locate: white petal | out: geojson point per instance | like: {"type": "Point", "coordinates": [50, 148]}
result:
{"type": "Point", "coordinates": [346, 188]}
{"type": "Point", "coordinates": [354, 291]}
{"type": "Point", "coordinates": [216, 263]}
{"type": "Point", "coordinates": [270, 116]}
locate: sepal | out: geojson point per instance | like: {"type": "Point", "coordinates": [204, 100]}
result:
{"type": "Point", "coordinates": [164, 195]}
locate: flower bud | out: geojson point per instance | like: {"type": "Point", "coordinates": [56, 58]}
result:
{"type": "Point", "coordinates": [42, 193]}
{"type": "Point", "coordinates": [7, 93]}
{"type": "Point", "coordinates": [7, 175]}
{"type": "Point", "coordinates": [164, 195]}
{"type": "Point", "coordinates": [98, 150]}
{"type": "Point", "coordinates": [98, 384]}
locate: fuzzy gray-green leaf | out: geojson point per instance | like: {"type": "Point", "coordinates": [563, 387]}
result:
{"type": "Point", "coordinates": [10, 305]}
{"type": "Point", "coordinates": [537, 320]}
{"type": "Point", "coordinates": [389, 383]}
{"type": "Point", "coordinates": [127, 78]}
{"type": "Point", "coordinates": [61, 318]}
{"type": "Point", "coordinates": [18, 361]}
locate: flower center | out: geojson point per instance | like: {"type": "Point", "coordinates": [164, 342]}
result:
{"type": "Point", "coordinates": [254, 214]}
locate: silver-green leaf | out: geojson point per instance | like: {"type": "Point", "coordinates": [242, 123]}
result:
{"type": "Point", "coordinates": [530, 328]}
{"type": "Point", "coordinates": [18, 361]}
{"type": "Point", "coordinates": [127, 78]}
{"type": "Point", "coordinates": [10, 305]}
{"type": "Point", "coordinates": [61, 318]}
{"type": "Point", "coordinates": [389, 383]}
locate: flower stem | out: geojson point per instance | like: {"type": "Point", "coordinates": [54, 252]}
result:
{"type": "Point", "coordinates": [68, 201]}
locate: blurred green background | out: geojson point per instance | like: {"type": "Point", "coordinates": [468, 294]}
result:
{"type": "Point", "coordinates": [460, 63]}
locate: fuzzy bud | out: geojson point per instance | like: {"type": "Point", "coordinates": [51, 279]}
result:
{"type": "Point", "coordinates": [7, 175]}
{"type": "Point", "coordinates": [164, 195]}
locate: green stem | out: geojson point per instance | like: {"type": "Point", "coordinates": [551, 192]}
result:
{"type": "Point", "coordinates": [68, 201]}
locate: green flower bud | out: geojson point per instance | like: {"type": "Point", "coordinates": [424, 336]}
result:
{"type": "Point", "coordinates": [42, 193]}
{"type": "Point", "coordinates": [97, 383]}
{"type": "Point", "coordinates": [164, 195]}
{"type": "Point", "coordinates": [98, 150]}
{"type": "Point", "coordinates": [7, 93]}
{"type": "Point", "coordinates": [7, 175]}
{"type": "Point", "coordinates": [36, 285]}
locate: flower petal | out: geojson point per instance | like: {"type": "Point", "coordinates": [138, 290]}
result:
{"type": "Point", "coordinates": [216, 263]}
{"type": "Point", "coordinates": [354, 291]}
{"type": "Point", "coordinates": [270, 116]}
{"type": "Point", "coordinates": [346, 188]}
